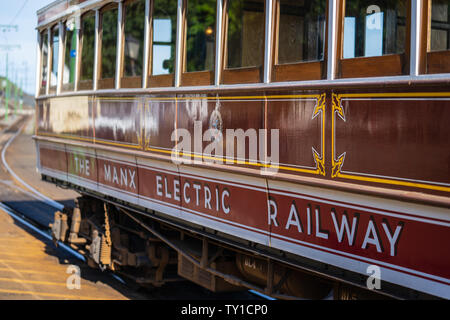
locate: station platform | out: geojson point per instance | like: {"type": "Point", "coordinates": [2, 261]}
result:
{"type": "Point", "coordinates": [31, 268]}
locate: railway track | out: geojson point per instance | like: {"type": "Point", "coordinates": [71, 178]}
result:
{"type": "Point", "coordinates": [26, 250]}
{"type": "Point", "coordinates": [38, 225]}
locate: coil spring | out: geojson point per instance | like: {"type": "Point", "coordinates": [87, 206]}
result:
{"type": "Point", "coordinates": [105, 249]}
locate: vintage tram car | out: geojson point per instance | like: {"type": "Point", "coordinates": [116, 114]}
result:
{"type": "Point", "coordinates": [296, 148]}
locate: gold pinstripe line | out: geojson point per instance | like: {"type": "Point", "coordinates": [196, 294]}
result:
{"type": "Point", "coordinates": [382, 180]}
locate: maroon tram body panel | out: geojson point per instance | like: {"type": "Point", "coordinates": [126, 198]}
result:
{"type": "Point", "coordinates": [339, 153]}
{"type": "Point", "coordinates": [402, 141]}
{"type": "Point", "coordinates": [349, 173]}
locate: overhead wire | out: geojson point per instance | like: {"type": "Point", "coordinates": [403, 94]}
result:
{"type": "Point", "coordinates": [19, 12]}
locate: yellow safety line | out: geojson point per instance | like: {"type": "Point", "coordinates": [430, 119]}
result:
{"type": "Point", "coordinates": [29, 246]}
{"type": "Point", "coordinates": [46, 283]}
{"type": "Point", "coordinates": [28, 271]}
{"type": "Point", "coordinates": [17, 239]}
{"type": "Point", "coordinates": [24, 251]}
{"type": "Point", "coordinates": [27, 261]}
{"type": "Point", "coordinates": [38, 254]}
{"type": "Point", "coordinates": [45, 294]}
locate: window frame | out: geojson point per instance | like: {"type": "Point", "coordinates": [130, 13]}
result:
{"type": "Point", "coordinates": [244, 75]}
{"type": "Point", "coordinates": [297, 71]}
{"type": "Point", "coordinates": [160, 80]}
{"type": "Point", "coordinates": [68, 87]}
{"type": "Point", "coordinates": [131, 81]}
{"type": "Point", "coordinates": [368, 67]}
{"type": "Point", "coordinates": [84, 84]}
{"type": "Point", "coordinates": [42, 34]}
{"type": "Point", "coordinates": [107, 83]}
{"type": "Point", "coordinates": [53, 89]}
{"type": "Point", "coordinates": [431, 62]}
{"type": "Point", "coordinates": [195, 78]}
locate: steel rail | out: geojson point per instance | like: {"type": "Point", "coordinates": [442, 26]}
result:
{"type": "Point", "coordinates": [31, 191]}
{"type": "Point", "coordinates": [15, 215]}
{"type": "Point", "coordinates": [44, 198]}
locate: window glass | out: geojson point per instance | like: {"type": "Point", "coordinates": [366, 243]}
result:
{"type": "Point", "coordinates": [70, 54]}
{"type": "Point", "coordinates": [109, 40]}
{"type": "Point", "coordinates": [134, 38]}
{"type": "Point", "coordinates": [245, 34]}
{"type": "Point", "coordinates": [374, 28]}
{"type": "Point", "coordinates": [88, 47]}
{"type": "Point", "coordinates": [200, 37]}
{"type": "Point", "coordinates": [44, 48]}
{"type": "Point", "coordinates": [440, 25]}
{"type": "Point", "coordinates": [164, 36]}
{"type": "Point", "coordinates": [55, 50]}
{"type": "Point", "coordinates": [301, 30]}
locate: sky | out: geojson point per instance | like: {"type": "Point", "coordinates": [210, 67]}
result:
{"type": "Point", "coordinates": [23, 14]}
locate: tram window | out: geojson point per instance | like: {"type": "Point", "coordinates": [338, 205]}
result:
{"type": "Point", "coordinates": [134, 38]}
{"type": "Point", "coordinates": [70, 56]}
{"type": "Point", "coordinates": [300, 33]}
{"type": "Point", "coordinates": [44, 61]}
{"type": "Point", "coordinates": [199, 45]}
{"type": "Point", "coordinates": [200, 38]}
{"type": "Point", "coordinates": [438, 31]}
{"type": "Point", "coordinates": [375, 28]}
{"type": "Point", "coordinates": [108, 47]}
{"type": "Point", "coordinates": [440, 25]}
{"type": "Point", "coordinates": [164, 37]}
{"type": "Point", "coordinates": [55, 50]}
{"type": "Point", "coordinates": [244, 41]}
{"type": "Point", "coordinates": [245, 34]}
{"type": "Point", "coordinates": [87, 51]}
